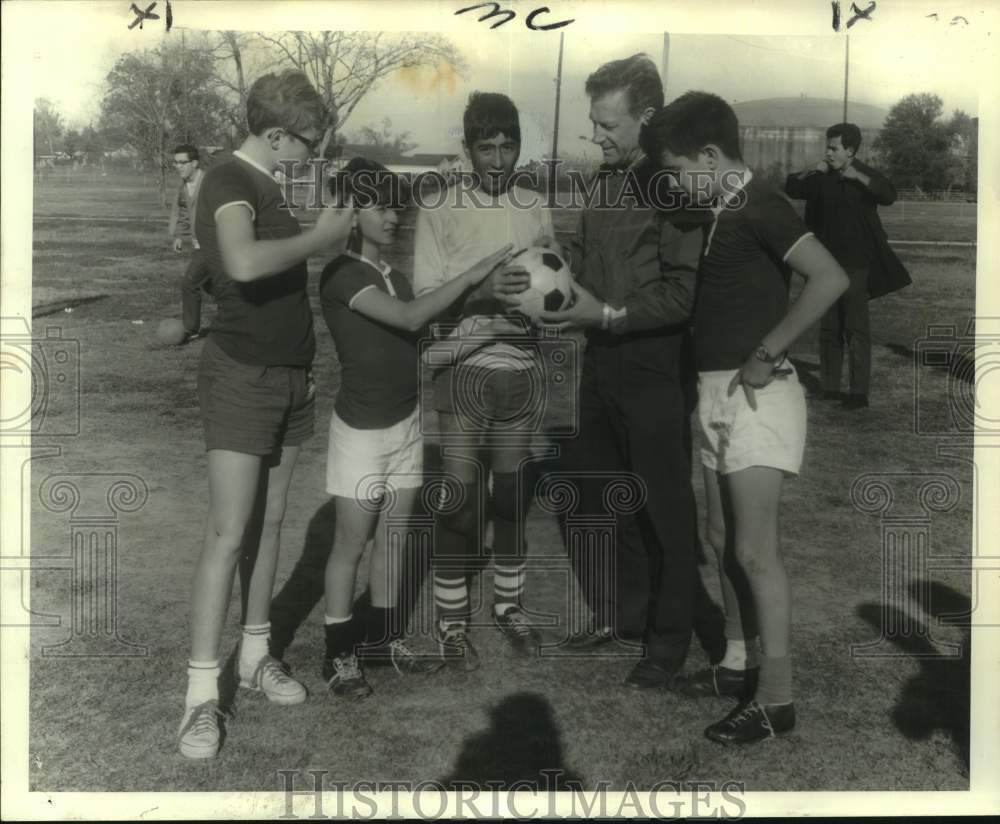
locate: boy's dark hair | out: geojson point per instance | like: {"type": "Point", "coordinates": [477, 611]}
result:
{"type": "Point", "coordinates": [368, 183]}
{"type": "Point", "coordinates": [849, 134]}
{"type": "Point", "coordinates": [689, 123]}
{"type": "Point", "coordinates": [287, 101]}
{"type": "Point", "coordinates": [637, 75]}
{"type": "Point", "coordinates": [488, 114]}
{"type": "Point", "coordinates": [188, 149]}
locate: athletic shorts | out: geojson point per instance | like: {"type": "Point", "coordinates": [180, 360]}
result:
{"type": "Point", "coordinates": [360, 461]}
{"type": "Point", "coordinates": [492, 400]}
{"type": "Point", "coordinates": [250, 408]}
{"type": "Point", "coordinates": [736, 437]}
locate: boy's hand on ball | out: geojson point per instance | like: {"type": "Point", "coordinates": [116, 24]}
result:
{"type": "Point", "coordinates": [490, 264]}
{"type": "Point", "coordinates": [585, 311]}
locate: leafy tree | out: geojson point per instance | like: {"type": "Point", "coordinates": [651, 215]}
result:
{"type": "Point", "coordinates": [383, 138]}
{"type": "Point", "coordinates": [48, 126]}
{"type": "Point", "coordinates": [920, 149]}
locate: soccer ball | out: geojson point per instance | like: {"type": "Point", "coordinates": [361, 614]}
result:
{"type": "Point", "coordinates": [170, 332]}
{"type": "Point", "coordinates": [549, 290]}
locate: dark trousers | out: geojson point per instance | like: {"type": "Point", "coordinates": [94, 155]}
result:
{"type": "Point", "coordinates": [635, 419]}
{"type": "Point", "coordinates": [846, 324]}
{"type": "Point", "coordinates": [195, 279]}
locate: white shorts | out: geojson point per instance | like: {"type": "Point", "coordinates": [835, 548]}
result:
{"type": "Point", "coordinates": [359, 462]}
{"type": "Point", "coordinates": [736, 437]}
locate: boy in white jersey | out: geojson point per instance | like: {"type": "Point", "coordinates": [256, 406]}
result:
{"type": "Point", "coordinates": [486, 404]}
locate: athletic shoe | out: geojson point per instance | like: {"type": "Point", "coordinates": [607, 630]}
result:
{"type": "Point", "coordinates": [271, 678]}
{"type": "Point", "coordinates": [591, 638]}
{"type": "Point", "coordinates": [199, 735]}
{"type": "Point", "coordinates": [718, 682]}
{"type": "Point", "coordinates": [455, 647]}
{"type": "Point", "coordinates": [650, 673]}
{"type": "Point", "coordinates": [344, 678]}
{"type": "Point", "coordinates": [400, 657]}
{"type": "Point", "coordinates": [752, 722]}
{"type": "Point", "coordinates": [517, 630]}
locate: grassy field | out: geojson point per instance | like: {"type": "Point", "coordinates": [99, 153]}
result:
{"type": "Point", "coordinates": [890, 723]}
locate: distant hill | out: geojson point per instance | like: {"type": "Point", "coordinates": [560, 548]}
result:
{"type": "Point", "coordinates": [807, 111]}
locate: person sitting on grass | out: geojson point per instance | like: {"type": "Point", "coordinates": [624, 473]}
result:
{"type": "Point", "coordinates": [750, 403]}
{"type": "Point", "coordinates": [375, 458]}
{"type": "Point", "coordinates": [255, 388]}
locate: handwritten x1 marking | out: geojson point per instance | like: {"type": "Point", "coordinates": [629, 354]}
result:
{"type": "Point", "coordinates": [861, 15]}
{"type": "Point", "coordinates": [143, 15]}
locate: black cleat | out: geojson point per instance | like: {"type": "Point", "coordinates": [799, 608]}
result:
{"type": "Point", "coordinates": [718, 682]}
{"type": "Point", "coordinates": [455, 647]}
{"type": "Point", "coordinates": [650, 673]}
{"type": "Point", "coordinates": [751, 723]}
{"type": "Point", "coordinates": [517, 630]}
{"type": "Point", "coordinates": [400, 657]}
{"type": "Point", "coordinates": [344, 678]}
{"type": "Point", "coordinates": [591, 638]}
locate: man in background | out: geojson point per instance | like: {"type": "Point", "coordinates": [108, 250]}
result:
{"type": "Point", "coordinates": [181, 222]}
{"type": "Point", "coordinates": [842, 197]}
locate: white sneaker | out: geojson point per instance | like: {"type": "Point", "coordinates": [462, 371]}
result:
{"type": "Point", "coordinates": [199, 731]}
{"type": "Point", "coordinates": [271, 679]}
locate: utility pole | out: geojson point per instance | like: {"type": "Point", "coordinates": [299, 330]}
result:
{"type": "Point", "coordinates": [665, 63]}
{"type": "Point", "coordinates": [555, 129]}
{"type": "Point", "coordinates": [847, 60]}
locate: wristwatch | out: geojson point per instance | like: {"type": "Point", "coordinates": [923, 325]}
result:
{"type": "Point", "coordinates": [762, 354]}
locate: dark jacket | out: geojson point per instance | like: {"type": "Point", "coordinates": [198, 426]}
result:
{"type": "Point", "coordinates": [887, 273]}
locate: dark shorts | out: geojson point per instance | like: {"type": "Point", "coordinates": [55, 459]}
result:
{"type": "Point", "coordinates": [491, 400]}
{"type": "Point", "coordinates": [253, 409]}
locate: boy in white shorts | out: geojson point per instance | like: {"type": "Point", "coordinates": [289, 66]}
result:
{"type": "Point", "coordinates": [751, 406]}
{"type": "Point", "coordinates": [376, 448]}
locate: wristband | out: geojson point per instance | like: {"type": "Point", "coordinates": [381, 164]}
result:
{"type": "Point", "coordinates": [606, 317]}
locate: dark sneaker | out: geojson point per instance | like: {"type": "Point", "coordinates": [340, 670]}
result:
{"type": "Point", "coordinates": [455, 647]}
{"type": "Point", "coordinates": [517, 630]}
{"type": "Point", "coordinates": [718, 682]}
{"type": "Point", "coordinates": [752, 722]}
{"type": "Point", "coordinates": [591, 638]}
{"type": "Point", "coordinates": [400, 657]}
{"type": "Point", "coordinates": [855, 402]}
{"type": "Point", "coordinates": [344, 678]}
{"type": "Point", "coordinates": [650, 673]}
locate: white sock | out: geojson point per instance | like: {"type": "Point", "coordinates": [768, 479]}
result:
{"type": "Point", "coordinates": [500, 608]}
{"type": "Point", "coordinates": [253, 646]}
{"type": "Point", "coordinates": [738, 654]}
{"type": "Point", "coordinates": [203, 682]}
{"type": "Point", "coordinates": [329, 619]}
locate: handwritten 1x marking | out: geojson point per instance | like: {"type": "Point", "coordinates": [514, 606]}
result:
{"type": "Point", "coordinates": [511, 14]}
{"type": "Point", "coordinates": [858, 14]}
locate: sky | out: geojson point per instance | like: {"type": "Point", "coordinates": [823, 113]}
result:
{"type": "Point", "coordinates": [82, 40]}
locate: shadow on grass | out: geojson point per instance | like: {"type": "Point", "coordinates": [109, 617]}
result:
{"type": "Point", "coordinates": [521, 747]}
{"type": "Point", "coordinates": [937, 697]}
{"type": "Point", "coordinates": [43, 310]}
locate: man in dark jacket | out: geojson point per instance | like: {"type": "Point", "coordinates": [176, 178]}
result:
{"type": "Point", "coordinates": [842, 197]}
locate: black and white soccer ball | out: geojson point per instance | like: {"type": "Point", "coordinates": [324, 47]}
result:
{"type": "Point", "coordinates": [549, 290]}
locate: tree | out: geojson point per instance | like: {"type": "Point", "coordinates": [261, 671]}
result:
{"type": "Point", "coordinates": [48, 126]}
{"type": "Point", "coordinates": [156, 98]}
{"type": "Point", "coordinates": [396, 144]}
{"type": "Point", "coordinates": [965, 150]}
{"type": "Point", "coordinates": [918, 146]}
{"type": "Point", "coordinates": [346, 65]}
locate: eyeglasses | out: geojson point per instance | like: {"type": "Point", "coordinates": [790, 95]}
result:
{"type": "Point", "coordinates": [311, 145]}
{"type": "Point", "coordinates": [182, 162]}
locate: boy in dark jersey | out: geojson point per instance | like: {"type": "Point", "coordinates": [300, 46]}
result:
{"type": "Point", "coordinates": [751, 405]}
{"type": "Point", "coordinates": [376, 448]}
{"type": "Point", "coordinates": [254, 385]}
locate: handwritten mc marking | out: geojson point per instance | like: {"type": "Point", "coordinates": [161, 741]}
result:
{"type": "Point", "coordinates": [511, 14]}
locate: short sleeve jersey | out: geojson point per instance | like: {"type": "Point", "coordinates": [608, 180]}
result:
{"type": "Point", "coordinates": [378, 383]}
{"type": "Point", "coordinates": [742, 290]}
{"type": "Point", "coordinates": [267, 321]}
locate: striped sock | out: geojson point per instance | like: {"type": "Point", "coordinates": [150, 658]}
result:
{"type": "Point", "coordinates": [508, 586]}
{"type": "Point", "coordinates": [253, 647]}
{"type": "Point", "coordinates": [203, 682]}
{"type": "Point", "coordinates": [451, 598]}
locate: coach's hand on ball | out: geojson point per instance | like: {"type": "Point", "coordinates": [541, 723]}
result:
{"type": "Point", "coordinates": [505, 282]}
{"type": "Point", "coordinates": [585, 311]}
